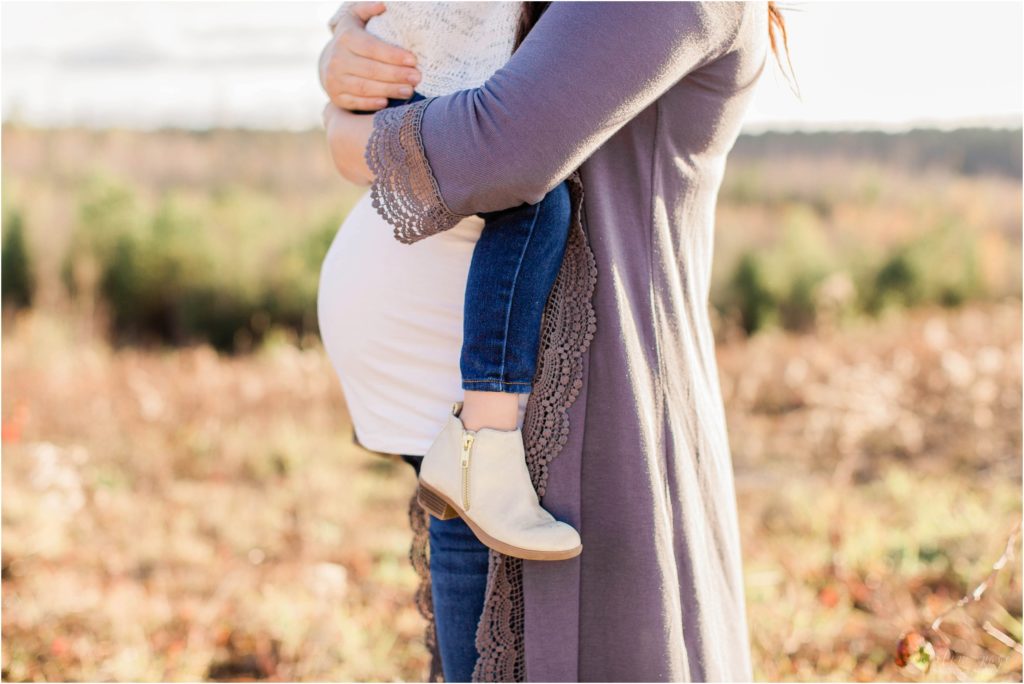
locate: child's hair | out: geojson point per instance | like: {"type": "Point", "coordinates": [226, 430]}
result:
{"type": "Point", "coordinates": [776, 23]}
{"type": "Point", "coordinates": [528, 18]}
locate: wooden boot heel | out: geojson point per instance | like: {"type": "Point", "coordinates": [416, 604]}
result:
{"type": "Point", "coordinates": [434, 504]}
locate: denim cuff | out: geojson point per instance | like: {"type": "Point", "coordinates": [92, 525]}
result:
{"type": "Point", "coordinates": [498, 386]}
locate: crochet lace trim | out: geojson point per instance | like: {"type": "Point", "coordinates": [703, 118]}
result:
{"type": "Point", "coordinates": [418, 556]}
{"type": "Point", "coordinates": [404, 191]}
{"type": "Point", "coordinates": [406, 195]}
{"type": "Point", "coordinates": [568, 326]}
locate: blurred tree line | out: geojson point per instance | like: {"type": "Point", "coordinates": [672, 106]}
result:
{"type": "Point", "coordinates": [966, 151]}
{"type": "Point", "coordinates": [813, 228]}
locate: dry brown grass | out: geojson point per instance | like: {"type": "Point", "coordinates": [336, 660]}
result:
{"type": "Point", "coordinates": [879, 476]}
{"type": "Point", "coordinates": [181, 515]}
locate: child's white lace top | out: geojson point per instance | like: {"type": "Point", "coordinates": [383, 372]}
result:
{"type": "Point", "coordinates": [458, 45]}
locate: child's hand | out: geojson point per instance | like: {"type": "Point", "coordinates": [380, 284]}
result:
{"type": "Point", "coordinates": [358, 71]}
{"type": "Point", "coordinates": [347, 135]}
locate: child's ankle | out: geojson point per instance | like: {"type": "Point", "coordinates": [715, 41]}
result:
{"type": "Point", "coordinates": [494, 410]}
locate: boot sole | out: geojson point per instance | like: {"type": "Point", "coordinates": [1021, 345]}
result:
{"type": "Point", "coordinates": [443, 508]}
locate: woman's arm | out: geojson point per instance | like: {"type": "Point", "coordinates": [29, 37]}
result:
{"type": "Point", "coordinates": [347, 134]}
{"type": "Point", "coordinates": [583, 72]}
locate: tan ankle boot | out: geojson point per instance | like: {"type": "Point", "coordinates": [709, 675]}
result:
{"type": "Point", "coordinates": [482, 476]}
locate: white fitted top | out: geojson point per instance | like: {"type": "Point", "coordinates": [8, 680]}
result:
{"type": "Point", "coordinates": [390, 319]}
{"type": "Point", "coordinates": [458, 45]}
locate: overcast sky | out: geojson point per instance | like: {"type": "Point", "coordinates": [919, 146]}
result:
{"type": "Point", "coordinates": [199, 64]}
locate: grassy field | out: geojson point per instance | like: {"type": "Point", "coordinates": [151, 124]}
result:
{"type": "Point", "coordinates": [182, 515]}
{"type": "Point", "coordinates": [172, 512]}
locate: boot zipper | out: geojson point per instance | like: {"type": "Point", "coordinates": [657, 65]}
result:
{"type": "Point", "coordinates": [467, 444]}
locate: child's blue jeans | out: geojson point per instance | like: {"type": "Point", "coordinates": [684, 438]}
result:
{"type": "Point", "coordinates": [514, 266]}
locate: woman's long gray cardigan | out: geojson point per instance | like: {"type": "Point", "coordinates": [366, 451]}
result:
{"type": "Point", "coordinates": [638, 105]}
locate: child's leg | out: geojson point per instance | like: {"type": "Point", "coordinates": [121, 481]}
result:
{"type": "Point", "coordinates": [514, 266]}
{"type": "Point", "coordinates": [479, 474]}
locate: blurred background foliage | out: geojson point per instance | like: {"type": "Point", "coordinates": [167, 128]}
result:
{"type": "Point", "coordinates": [182, 499]}
{"type": "Point", "coordinates": [202, 247]}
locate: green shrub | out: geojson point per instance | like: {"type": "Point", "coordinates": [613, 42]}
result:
{"type": "Point", "coordinates": [109, 216]}
{"type": "Point", "coordinates": [782, 284]}
{"type": "Point", "coordinates": [225, 270]}
{"type": "Point", "coordinates": [939, 267]}
{"type": "Point", "coordinates": [16, 269]}
{"type": "Point", "coordinates": [778, 285]}
{"type": "Point", "coordinates": [898, 281]}
{"type": "Point", "coordinates": [798, 264]}
{"type": "Point", "coordinates": [749, 295]}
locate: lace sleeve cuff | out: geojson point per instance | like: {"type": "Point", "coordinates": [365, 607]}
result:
{"type": "Point", "coordinates": [404, 190]}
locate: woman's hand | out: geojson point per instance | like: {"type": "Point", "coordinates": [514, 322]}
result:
{"type": "Point", "coordinates": [359, 71]}
{"type": "Point", "coordinates": [347, 134]}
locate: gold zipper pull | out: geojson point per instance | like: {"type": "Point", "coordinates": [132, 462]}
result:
{"type": "Point", "coordinates": [467, 444]}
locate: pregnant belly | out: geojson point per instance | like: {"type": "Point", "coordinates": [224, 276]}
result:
{"type": "Point", "coordinates": [390, 317]}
